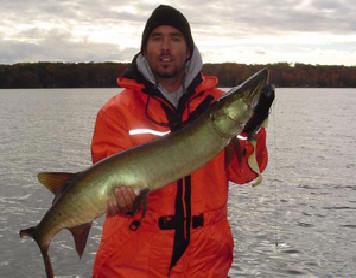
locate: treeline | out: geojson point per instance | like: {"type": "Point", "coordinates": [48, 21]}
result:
{"type": "Point", "coordinates": [60, 75]}
{"type": "Point", "coordinates": [103, 75]}
{"type": "Point", "coordinates": [284, 75]}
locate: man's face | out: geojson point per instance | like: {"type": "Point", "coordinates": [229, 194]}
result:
{"type": "Point", "coordinates": [166, 52]}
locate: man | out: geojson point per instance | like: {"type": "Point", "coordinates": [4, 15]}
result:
{"type": "Point", "coordinates": [185, 231]}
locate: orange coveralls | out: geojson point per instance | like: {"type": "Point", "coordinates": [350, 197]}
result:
{"type": "Point", "coordinates": [185, 232]}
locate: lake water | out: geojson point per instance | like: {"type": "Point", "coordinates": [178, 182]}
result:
{"type": "Point", "coordinates": [300, 222]}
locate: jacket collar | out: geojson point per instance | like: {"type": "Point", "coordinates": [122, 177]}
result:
{"type": "Point", "coordinates": [134, 79]}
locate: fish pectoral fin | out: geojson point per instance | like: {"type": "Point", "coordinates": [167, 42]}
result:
{"type": "Point", "coordinates": [80, 234]}
{"type": "Point", "coordinates": [54, 181]}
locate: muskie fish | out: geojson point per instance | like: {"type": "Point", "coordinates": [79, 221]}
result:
{"type": "Point", "coordinates": [81, 197]}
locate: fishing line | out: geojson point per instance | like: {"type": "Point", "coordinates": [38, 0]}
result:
{"type": "Point", "coordinates": [274, 174]}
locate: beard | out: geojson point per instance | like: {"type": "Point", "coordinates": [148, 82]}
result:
{"type": "Point", "coordinates": [175, 72]}
{"type": "Point", "coordinates": [167, 74]}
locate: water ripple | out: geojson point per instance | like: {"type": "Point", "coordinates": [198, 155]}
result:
{"type": "Point", "coordinates": [305, 205]}
{"type": "Point", "coordinates": [14, 199]}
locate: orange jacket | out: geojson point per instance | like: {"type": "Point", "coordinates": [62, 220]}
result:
{"type": "Point", "coordinates": [204, 193]}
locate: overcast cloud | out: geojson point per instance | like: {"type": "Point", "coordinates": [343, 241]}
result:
{"type": "Point", "coordinates": [254, 31]}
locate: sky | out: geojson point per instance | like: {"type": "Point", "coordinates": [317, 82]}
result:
{"type": "Point", "coordinates": [314, 32]}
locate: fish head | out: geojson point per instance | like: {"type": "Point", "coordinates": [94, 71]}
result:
{"type": "Point", "coordinates": [235, 108]}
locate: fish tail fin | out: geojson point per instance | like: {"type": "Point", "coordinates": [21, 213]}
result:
{"type": "Point", "coordinates": [31, 232]}
{"type": "Point", "coordinates": [47, 262]}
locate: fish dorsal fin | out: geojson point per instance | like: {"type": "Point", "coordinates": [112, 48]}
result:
{"type": "Point", "coordinates": [54, 181]}
{"type": "Point", "coordinates": [80, 234]}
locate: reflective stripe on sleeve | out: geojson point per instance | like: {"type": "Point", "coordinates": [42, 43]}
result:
{"type": "Point", "coordinates": [141, 131]}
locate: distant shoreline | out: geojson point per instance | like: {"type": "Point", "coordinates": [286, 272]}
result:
{"type": "Point", "coordinates": [103, 75]}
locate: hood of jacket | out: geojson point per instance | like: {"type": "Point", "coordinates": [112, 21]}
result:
{"type": "Point", "coordinates": [193, 67]}
{"type": "Point", "coordinates": [141, 73]}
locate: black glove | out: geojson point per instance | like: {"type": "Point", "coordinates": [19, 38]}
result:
{"type": "Point", "coordinates": [261, 110]}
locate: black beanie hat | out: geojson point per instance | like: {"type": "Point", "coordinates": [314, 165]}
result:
{"type": "Point", "coordinates": [167, 15]}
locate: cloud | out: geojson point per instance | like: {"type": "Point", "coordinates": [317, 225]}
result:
{"type": "Point", "coordinates": [78, 30]}
{"type": "Point", "coordinates": [276, 16]}
{"type": "Point", "coordinates": [292, 15]}
{"type": "Point", "coordinates": [59, 46]}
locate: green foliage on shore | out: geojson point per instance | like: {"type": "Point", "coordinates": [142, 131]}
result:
{"type": "Point", "coordinates": [103, 75]}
